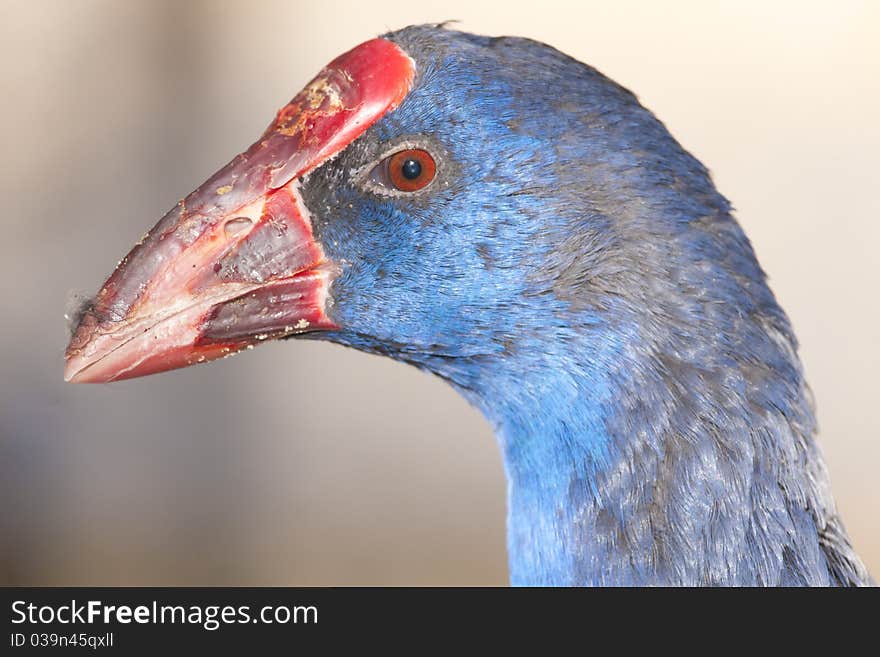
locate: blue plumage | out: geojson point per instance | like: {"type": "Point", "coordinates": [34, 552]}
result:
{"type": "Point", "coordinates": [574, 273]}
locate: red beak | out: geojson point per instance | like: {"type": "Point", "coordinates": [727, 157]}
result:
{"type": "Point", "coordinates": [236, 262]}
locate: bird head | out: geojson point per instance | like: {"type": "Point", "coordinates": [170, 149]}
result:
{"type": "Point", "coordinates": [501, 215]}
{"type": "Point", "coordinates": [480, 207]}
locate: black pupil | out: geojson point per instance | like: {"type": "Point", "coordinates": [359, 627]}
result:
{"type": "Point", "coordinates": [411, 169]}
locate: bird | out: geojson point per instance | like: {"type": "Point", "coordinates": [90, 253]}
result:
{"type": "Point", "coordinates": [505, 217]}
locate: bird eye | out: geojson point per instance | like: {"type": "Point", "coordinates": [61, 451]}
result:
{"type": "Point", "coordinates": [407, 171]}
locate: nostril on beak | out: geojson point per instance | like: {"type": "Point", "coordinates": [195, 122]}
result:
{"type": "Point", "coordinates": [235, 226]}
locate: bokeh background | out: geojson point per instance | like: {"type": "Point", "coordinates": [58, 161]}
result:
{"type": "Point", "coordinates": [373, 473]}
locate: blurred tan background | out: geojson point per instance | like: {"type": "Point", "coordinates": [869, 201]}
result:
{"type": "Point", "coordinates": [232, 473]}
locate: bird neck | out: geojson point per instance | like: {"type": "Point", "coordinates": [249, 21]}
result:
{"type": "Point", "coordinates": [567, 475]}
{"type": "Point", "coordinates": [631, 463]}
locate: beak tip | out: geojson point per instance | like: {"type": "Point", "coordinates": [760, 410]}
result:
{"type": "Point", "coordinates": [74, 372]}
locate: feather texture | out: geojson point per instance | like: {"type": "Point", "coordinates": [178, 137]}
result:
{"type": "Point", "coordinates": [576, 275]}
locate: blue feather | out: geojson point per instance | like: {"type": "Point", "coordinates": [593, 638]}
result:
{"type": "Point", "coordinates": [575, 274]}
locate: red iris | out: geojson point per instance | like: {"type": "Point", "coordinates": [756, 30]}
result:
{"type": "Point", "coordinates": [411, 170]}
